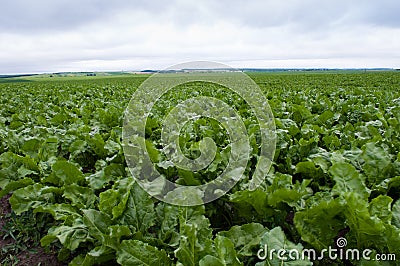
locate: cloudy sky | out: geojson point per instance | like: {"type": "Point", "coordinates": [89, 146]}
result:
{"type": "Point", "coordinates": [96, 35]}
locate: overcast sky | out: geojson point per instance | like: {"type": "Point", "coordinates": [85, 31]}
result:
{"type": "Point", "coordinates": [95, 35]}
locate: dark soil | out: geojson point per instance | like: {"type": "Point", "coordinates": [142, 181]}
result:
{"type": "Point", "coordinates": [27, 258]}
{"type": "Point", "coordinates": [35, 255]}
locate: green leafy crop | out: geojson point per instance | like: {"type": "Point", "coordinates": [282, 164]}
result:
{"type": "Point", "coordinates": [336, 171]}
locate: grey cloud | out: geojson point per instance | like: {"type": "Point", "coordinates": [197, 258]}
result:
{"type": "Point", "coordinates": [47, 15]}
{"type": "Point", "coordinates": [308, 14]}
{"type": "Point", "coordinates": [44, 34]}
{"type": "Point", "coordinates": [383, 13]}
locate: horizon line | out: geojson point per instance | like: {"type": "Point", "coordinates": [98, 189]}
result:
{"type": "Point", "coordinates": [250, 69]}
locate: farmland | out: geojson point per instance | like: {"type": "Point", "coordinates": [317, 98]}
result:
{"type": "Point", "coordinates": [335, 172]}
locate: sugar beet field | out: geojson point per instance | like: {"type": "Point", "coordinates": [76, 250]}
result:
{"type": "Point", "coordinates": [333, 187]}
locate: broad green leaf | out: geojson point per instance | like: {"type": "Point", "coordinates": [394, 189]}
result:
{"type": "Point", "coordinates": [187, 252]}
{"type": "Point", "coordinates": [139, 211]}
{"type": "Point", "coordinates": [347, 180]}
{"type": "Point", "coordinates": [14, 167]}
{"type": "Point", "coordinates": [195, 236]}
{"type": "Point", "coordinates": [226, 251]}
{"type": "Point", "coordinates": [79, 261]}
{"type": "Point", "coordinates": [77, 146]}
{"type": "Point", "coordinates": [184, 194]}
{"type": "Point", "coordinates": [59, 211]}
{"type": "Point", "coordinates": [210, 260]}
{"type": "Point", "coordinates": [290, 125]}
{"type": "Point", "coordinates": [67, 173]}
{"type": "Point", "coordinates": [81, 197]}
{"type": "Point", "coordinates": [112, 147]}
{"type": "Point", "coordinates": [324, 117]}
{"type": "Point", "coordinates": [154, 154]}
{"type": "Point", "coordinates": [100, 255]}
{"type": "Point", "coordinates": [396, 214]}
{"type": "Point", "coordinates": [96, 142]}
{"type": "Point", "coordinates": [30, 197]}
{"type": "Point", "coordinates": [377, 163]}
{"type": "Point", "coordinates": [293, 195]}
{"type": "Point", "coordinates": [167, 216]}
{"type": "Point", "coordinates": [69, 236]}
{"type": "Point", "coordinates": [256, 199]}
{"type": "Point", "coordinates": [114, 234]}
{"type": "Point", "coordinates": [312, 230]}
{"type": "Point", "coordinates": [367, 229]}
{"type": "Point", "coordinates": [135, 252]}
{"type": "Point", "coordinates": [332, 142]}
{"type": "Point", "coordinates": [115, 199]}
{"type": "Point", "coordinates": [14, 185]}
{"type": "Point", "coordinates": [109, 199]}
{"type": "Point", "coordinates": [276, 240]}
{"type": "Point", "coordinates": [31, 147]}
{"type": "Point", "coordinates": [381, 208]}
{"type": "Point", "coordinates": [189, 178]}
{"type": "Point", "coordinates": [97, 223]}
{"type": "Point", "coordinates": [359, 219]}
{"type": "Point", "coordinates": [282, 190]}
{"type": "Point", "coordinates": [287, 195]}
{"type": "Point", "coordinates": [300, 113]}
{"type": "Point", "coordinates": [109, 173]}
{"type": "Point", "coordinates": [309, 170]}
{"type": "Point", "coordinates": [226, 254]}
{"type": "Point", "coordinates": [48, 149]}
{"type": "Point", "coordinates": [245, 237]}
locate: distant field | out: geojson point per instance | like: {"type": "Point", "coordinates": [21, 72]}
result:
{"type": "Point", "coordinates": [67, 75]}
{"type": "Point", "coordinates": [336, 171]}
